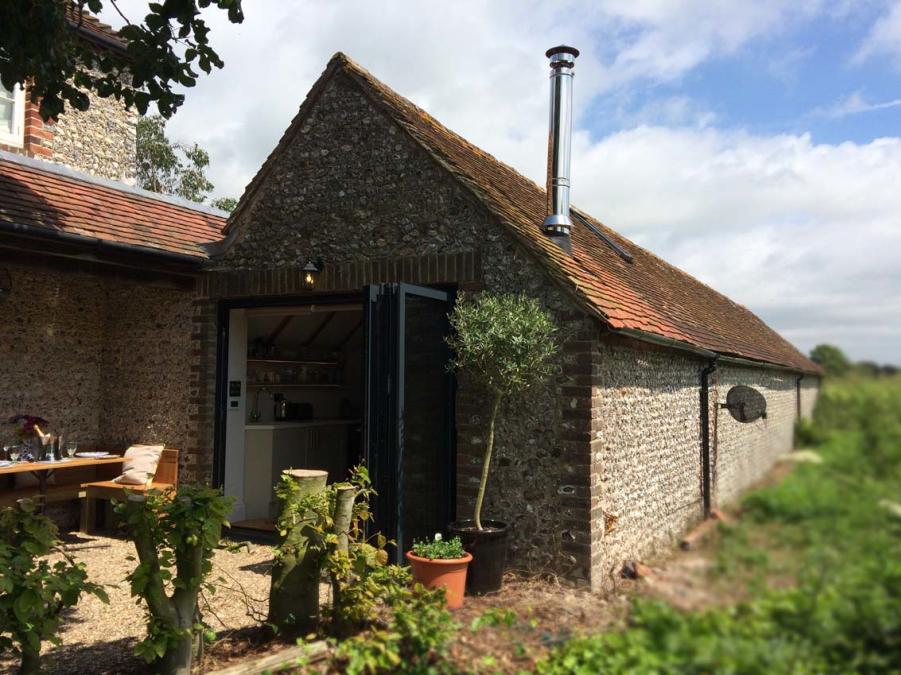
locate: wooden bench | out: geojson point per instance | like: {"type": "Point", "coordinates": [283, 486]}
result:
{"type": "Point", "coordinates": [166, 477]}
{"type": "Point", "coordinates": [66, 486]}
{"type": "Point", "coordinates": [55, 493]}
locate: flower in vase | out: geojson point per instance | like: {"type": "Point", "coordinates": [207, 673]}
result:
{"type": "Point", "coordinates": [25, 425]}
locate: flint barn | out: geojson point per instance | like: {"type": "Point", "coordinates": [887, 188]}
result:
{"type": "Point", "coordinates": [308, 329]}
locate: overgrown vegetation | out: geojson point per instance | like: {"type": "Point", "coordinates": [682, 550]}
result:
{"type": "Point", "coordinates": [33, 592]}
{"type": "Point", "coordinates": [378, 622]}
{"type": "Point", "coordinates": [841, 520]}
{"type": "Point", "coordinates": [175, 534]}
{"type": "Point", "coordinates": [410, 637]}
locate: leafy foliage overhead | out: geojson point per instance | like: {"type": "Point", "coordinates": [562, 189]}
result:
{"type": "Point", "coordinates": [224, 203]}
{"type": "Point", "coordinates": [40, 44]}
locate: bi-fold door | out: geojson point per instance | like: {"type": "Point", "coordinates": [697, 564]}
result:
{"type": "Point", "coordinates": [409, 426]}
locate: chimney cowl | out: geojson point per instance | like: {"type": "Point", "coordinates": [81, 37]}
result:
{"type": "Point", "coordinates": [562, 54]}
{"type": "Point", "coordinates": [557, 223]}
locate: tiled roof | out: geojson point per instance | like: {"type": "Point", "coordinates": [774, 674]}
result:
{"type": "Point", "coordinates": [646, 295]}
{"type": "Point", "coordinates": [45, 196]}
{"type": "Point", "coordinates": [90, 27]}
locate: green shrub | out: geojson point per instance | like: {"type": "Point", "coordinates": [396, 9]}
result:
{"type": "Point", "coordinates": [411, 640]}
{"type": "Point", "coordinates": [175, 534]}
{"type": "Point", "coordinates": [34, 593]}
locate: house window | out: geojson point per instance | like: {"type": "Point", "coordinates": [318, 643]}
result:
{"type": "Point", "coordinates": [12, 115]}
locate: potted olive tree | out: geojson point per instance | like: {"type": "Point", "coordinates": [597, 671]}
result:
{"type": "Point", "coordinates": [503, 343]}
{"type": "Point", "coordinates": [441, 563]}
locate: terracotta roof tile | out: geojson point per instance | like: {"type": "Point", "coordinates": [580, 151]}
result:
{"type": "Point", "coordinates": [646, 294]}
{"type": "Point", "coordinates": [90, 27]}
{"type": "Point", "coordinates": [55, 198]}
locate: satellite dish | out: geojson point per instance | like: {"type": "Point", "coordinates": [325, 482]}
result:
{"type": "Point", "coordinates": [745, 404]}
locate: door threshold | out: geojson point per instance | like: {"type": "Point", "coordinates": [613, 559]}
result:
{"type": "Point", "coordinates": [257, 530]}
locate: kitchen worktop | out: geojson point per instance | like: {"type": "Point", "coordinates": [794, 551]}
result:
{"type": "Point", "coordinates": [298, 424]}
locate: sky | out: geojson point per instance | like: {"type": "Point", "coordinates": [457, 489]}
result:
{"type": "Point", "coordinates": [755, 145]}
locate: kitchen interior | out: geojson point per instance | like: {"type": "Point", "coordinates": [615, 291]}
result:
{"type": "Point", "coordinates": [295, 401]}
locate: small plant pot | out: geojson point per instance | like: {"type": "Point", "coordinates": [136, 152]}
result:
{"type": "Point", "coordinates": [447, 574]}
{"type": "Point", "coordinates": [488, 547]}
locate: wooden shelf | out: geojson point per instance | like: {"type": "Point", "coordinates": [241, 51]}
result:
{"type": "Point", "coordinates": [277, 385]}
{"type": "Point", "coordinates": [293, 362]}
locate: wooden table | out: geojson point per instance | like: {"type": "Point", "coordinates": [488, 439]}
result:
{"type": "Point", "coordinates": [43, 470]}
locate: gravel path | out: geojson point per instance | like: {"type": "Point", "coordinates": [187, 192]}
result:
{"type": "Point", "coordinates": [99, 638]}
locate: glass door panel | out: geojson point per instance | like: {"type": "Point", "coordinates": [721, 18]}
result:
{"type": "Point", "coordinates": [425, 400]}
{"type": "Point", "coordinates": [409, 411]}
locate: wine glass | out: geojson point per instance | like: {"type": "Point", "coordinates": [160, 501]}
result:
{"type": "Point", "coordinates": [71, 448]}
{"type": "Point", "coordinates": [14, 453]}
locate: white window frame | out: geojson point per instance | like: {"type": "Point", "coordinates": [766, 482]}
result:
{"type": "Point", "coordinates": [17, 137]}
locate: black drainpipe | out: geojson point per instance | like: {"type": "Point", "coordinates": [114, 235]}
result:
{"type": "Point", "coordinates": [798, 391]}
{"type": "Point", "coordinates": [705, 433]}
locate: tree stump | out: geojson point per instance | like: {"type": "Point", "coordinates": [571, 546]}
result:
{"type": "Point", "coordinates": [294, 594]}
{"type": "Point", "coordinates": [343, 516]}
{"type": "Point", "coordinates": [342, 520]}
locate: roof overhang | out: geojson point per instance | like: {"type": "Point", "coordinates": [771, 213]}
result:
{"type": "Point", "coordinates": [60, 244]}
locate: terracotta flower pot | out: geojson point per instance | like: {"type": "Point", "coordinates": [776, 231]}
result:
{"type": "Point", "coordinates": [447, 574]}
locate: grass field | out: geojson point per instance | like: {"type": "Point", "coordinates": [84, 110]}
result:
{"type": "Point", "coordinates": [832, 527]}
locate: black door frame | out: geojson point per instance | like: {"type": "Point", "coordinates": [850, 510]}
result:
{"type": "Point", "coordinates": [385, 403]}
{"type": "Point", "coordinates": [385, 361]}
{"type": "Point", "coordinates": [447, 489]}
{"type": "Point", "coordinates": [221, 397]}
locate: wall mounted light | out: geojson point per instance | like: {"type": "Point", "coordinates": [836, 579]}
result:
{"type": "Point", "coordinates": [311, 274]}
{"type": "Point", "coordinates": [6, 283]}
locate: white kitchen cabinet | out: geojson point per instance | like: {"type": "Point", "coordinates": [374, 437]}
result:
{"type": "Point", "coordinates": [272, 448]}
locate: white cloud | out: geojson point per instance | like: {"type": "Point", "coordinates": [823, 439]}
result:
{"type": "Point", "coordinates": [786, 66]}
{"type": "Point", "coordinates": [806, 234]}
{"type": "Point", "coordinates": [478, 66]}
{"type": "Point", "coordinates": [855, 104]}
{"type": "Point", "coordinates": [884, 38]}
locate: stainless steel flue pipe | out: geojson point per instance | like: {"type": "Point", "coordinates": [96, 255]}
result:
{"type": "Point", "coordinates": [558, 223]}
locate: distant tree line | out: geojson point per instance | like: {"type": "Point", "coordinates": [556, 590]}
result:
{"type": "Point", "coordinates": [837, 364]}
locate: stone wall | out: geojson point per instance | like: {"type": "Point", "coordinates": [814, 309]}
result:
{"type": "Point", "coordinates": [744, 452]}
{"type": "Point", "coordinates": [353, 189]}
{"type": "Point", "coordinates": [647, 424]}
{"type": "Point", "coordinates": [99, 141]}
{"type": "Point", "coordinates": [648, 452]}
{"type": "Point", "coordinates": [102, 356]}
{"type": "Point", "coordinates": [51, 338]}
{"type": "Point", "coordinates": [146, 360]}
{"type": "Point", "coordinates": [810, 389]}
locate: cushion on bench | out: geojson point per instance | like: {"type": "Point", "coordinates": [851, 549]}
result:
{"type": "Point", "coordinates": [166, 477]}
{"type": "Point", "coordinates": [141, 462]}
